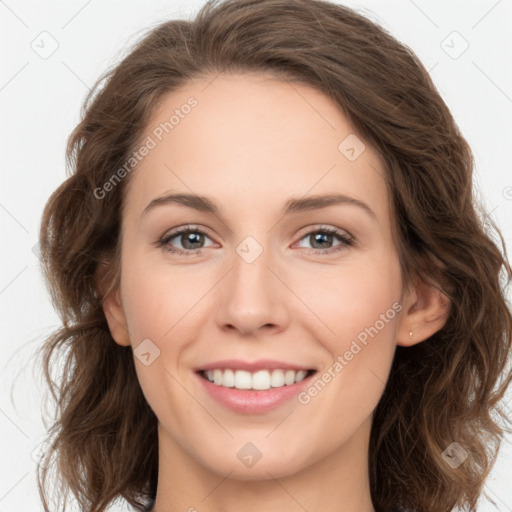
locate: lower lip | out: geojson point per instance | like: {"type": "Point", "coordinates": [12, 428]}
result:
{"type": "Point", "coordinates": [247, 401]}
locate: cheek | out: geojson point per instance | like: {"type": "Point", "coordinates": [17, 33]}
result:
{"type": "Point", "coordinates": [353, 295]}
{"type": "Point", "coordinates": [359, 306]}
{"type": "Point", "coordinates": [160, 305]}
{"type": "Point", "coordinates": [157, 305]}
{"type": "Point", "coordinates": [156, 298]}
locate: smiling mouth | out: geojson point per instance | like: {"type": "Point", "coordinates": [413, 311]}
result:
{"type": "Point", "coordinates": [255, 381]}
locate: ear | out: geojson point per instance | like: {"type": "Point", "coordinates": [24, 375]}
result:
{"type": "Point", "coordinates": [113, 309]}
{"type": "Point", "coordinates": [426, 311]}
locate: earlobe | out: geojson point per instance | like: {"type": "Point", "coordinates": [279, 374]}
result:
{"type": "Point", "coordinates": [427, 311]}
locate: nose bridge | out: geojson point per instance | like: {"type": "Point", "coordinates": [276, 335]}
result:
{"type": "Point", "coordinates": [251, 297]}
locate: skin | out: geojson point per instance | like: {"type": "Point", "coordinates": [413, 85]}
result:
{"type": "Point", "coordinates": [252, 143]}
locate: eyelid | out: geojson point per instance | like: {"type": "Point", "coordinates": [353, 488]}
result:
{"type": "Point", "coordinates": [344, 236]}
{"type": "Point", "coordinates": [324, 227]}
{"type": "Point", "coordinates": [306, 231]}
{"type": "Point", "coordinates": [186, 227]}
{"type": "Point", "coordinates": [183, 229]}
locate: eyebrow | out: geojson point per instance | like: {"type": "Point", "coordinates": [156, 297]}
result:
{"type": "Point", "coordinates": [293, 205]}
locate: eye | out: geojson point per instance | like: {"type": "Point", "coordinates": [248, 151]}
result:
{"type": "Point", "coordinates": [190, 237]}
{"type": "Point", "coordinates": [323, 236]}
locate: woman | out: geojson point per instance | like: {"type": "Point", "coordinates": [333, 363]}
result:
{"type": "Point", "coordinates": [216, 361]}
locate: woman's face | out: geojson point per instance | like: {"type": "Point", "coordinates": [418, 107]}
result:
{"type": "Point", "coordinates": [258, 288]}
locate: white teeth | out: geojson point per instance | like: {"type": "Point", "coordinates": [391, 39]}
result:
{"type": "Point", "coordinates": [217, 377]}
{"type": "Point", "coordinates": [289, 377]}
{"type": "Point", "coordinates": [277, 379]}
{"type": "Point", "coordinates": [228, 378]}
{"type": "Point", "coordinates": [301, 375]}
{"type": "Point", "coordinates": [242, 380]}
{"type": "Point", "coordinates": [260, 380]}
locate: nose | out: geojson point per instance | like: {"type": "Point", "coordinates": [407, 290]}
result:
{"type": "Point", "coordinates": [253, 297]}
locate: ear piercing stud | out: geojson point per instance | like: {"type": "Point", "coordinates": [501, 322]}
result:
{"type": "Point", "coordinates": [410, 335]}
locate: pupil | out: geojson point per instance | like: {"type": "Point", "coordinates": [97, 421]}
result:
{"type": "Point", "coordinates": [189, 239]}
{"type": "Point", "coordinates": [319, 236]}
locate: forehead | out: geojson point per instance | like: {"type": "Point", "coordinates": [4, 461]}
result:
{"type": "Point", "coordinates": [249, 140]}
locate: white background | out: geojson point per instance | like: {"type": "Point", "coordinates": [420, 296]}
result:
{"type": "Point", "coordinates": [40, 101]}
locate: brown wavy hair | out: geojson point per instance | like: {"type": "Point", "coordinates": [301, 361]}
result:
{"type": "Point", "coordinates": [445, 389]}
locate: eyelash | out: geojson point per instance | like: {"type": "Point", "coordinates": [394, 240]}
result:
{"type": "Point", "coordinates": [164, 242]}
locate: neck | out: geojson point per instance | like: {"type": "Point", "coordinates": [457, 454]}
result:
{"type": "Point", "coordinates": [336, 482]}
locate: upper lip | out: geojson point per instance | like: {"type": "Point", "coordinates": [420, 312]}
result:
{"type": "Point", "coordinates": [251, 366]}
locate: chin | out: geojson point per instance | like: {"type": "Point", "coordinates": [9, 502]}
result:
{"type": "Point", "coordinates": [246, 462]}
{"type": "Point", "coordinates": [262, 470]}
